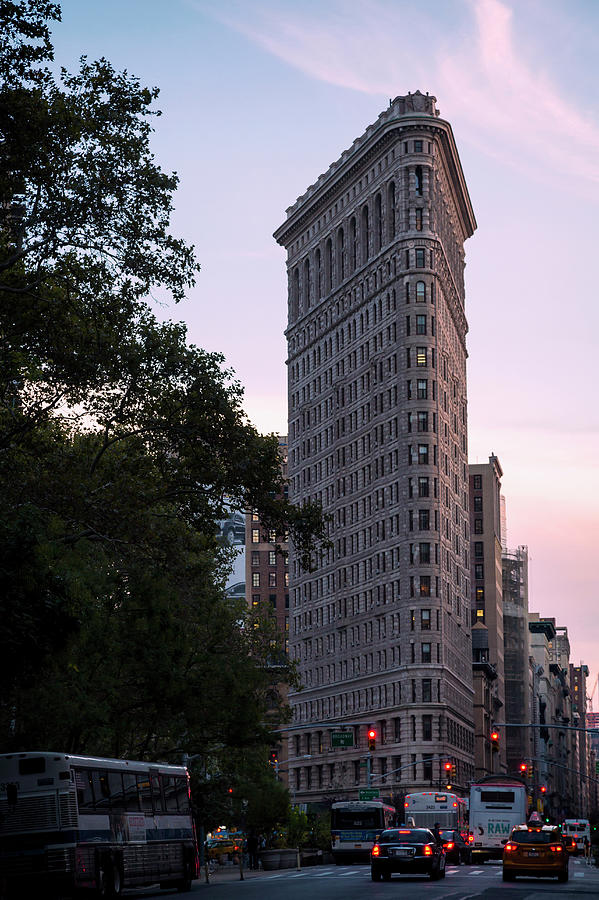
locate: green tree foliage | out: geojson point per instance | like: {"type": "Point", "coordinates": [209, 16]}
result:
{"type": "Point", "coordinates": [119, 441]}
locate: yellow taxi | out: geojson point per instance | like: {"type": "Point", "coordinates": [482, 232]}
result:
{"type": "Point", "coordinates": [537, 850]}
{"type": "Point", "coordinates": [221, 848]}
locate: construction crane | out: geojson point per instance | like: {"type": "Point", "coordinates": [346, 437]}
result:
{"type": "Point", "coordinates": [592, 694]}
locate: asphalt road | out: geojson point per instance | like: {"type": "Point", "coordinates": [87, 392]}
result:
{"type": "Point", "coordinates": [354, 883]}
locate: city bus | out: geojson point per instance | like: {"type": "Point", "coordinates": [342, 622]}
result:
{"type": "Point", "coordinates": [498, 803]}
{"type": "Point", "coordinates": [74, 823]}
{"type": "Point", "coordinates": [355, 826]}
{"type": "Point", "coordinates": [428, 807]}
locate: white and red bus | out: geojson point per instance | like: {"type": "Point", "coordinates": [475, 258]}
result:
{"type": "Point", "coordinates": [498, 803]}
{"type": "Point", "coordinates": [77, 822]}
{"type": "Point", "coordinates": [443, 807]}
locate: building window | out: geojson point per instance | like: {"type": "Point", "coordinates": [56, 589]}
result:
{"type": "Point", "coordinates": [255, 600]}
{"type": "Point", "coordinates": [286, 577]}
{"type": "Point", "coordinates": [480, 615]}
{"type": "Point", "coordinates": [418, 219]}
{"type": "Point", "coordinates": [423, 454]}
{"type": "Point", "coordinates": [427, 767]}
{"type": "Point", "coordinates": [272, 579]}
{"type": "Point", "coordinates": [422, 389]}
{"type": "Point", "coordinates": [427, 690]}
{"type": "Point", "coordinates": [479, 571]}
{"type": "Point", "coordinates": [255, 535]}
{"type": "Point", "coordinates": [425, 585]}
{"type": "Point", "coordinates": [255, 579]}
{"type": "Point", "coordinates": [480, 596]}
{"type": "Point", "coordinates": [424, 519]}
{"type": "Point", "coordinates": [426, 654]}
{"type": "Point", "coordinates": [421, 356]}
{"type": "Point", "coordinates": [478, 549]}
{"type": "Point", "coordinates": [418, 147]}
{"type": "Point", "coordinates": [272, 557]}
{"type": "Point", "coordinates": [255, 558]}
{"type": "Point", "coordinates": [420, 324]}
{"type": "Point", "coordinates": [423, 488]}
{"type": "Point", "coordinates": [478, 526]}
{"type": "Point", "coordinates": [478, 482]}
{"type": "Point", "coordinates": [272, 536]}
{"type": "Point", "coordinates": [419, 257]}
{"type": "Point", "coordinates": [397, 730]}
{"type": "Point", "coordinates": [418, 181]}
{"type": "Point", "coordinates": [425, 620]}
{"type": "Point", "coordinates": [424, 551]}
{"type": "Point", "coordinates": [427, 728]}
{"type": "Point", "coordinates": [420, 291]}
{"type": "Point", "coordinates": [422, 421]}
{"type": "Point", "coordinates": [478, 505]}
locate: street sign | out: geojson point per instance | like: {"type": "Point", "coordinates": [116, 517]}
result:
{"type": "Point", "coordinates": [372, 794]}
{"type": "Point", "coordinates": [342, 739]}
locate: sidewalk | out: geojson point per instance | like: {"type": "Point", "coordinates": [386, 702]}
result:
{"type": "Point", "coordinates": [230, 872]}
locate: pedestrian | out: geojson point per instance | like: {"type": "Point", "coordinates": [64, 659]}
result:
{"type": "Point", "coordinates": [437, 833]}
{"type": "Point", "coordinates": [253, 844]}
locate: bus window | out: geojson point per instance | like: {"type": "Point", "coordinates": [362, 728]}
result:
{"type": "Point", "coordinates": [130, 792]}
{"type": "Point", "coordinates": [143, 786]}
{"type": "Point", "coordinates": [32, 765]}
{"type": "Point", "coordinates": [101, 790]}
{"type": "Point", "coordinates": [85, 794]}
{"type": "Point", "coordinates": [156, 793]}
{"type": "Point", "coordinates": [115, 784]}
{"type": "Point", "coordinates": [182, 794]}
{"type": "Point", "coordinates": [170, 796]}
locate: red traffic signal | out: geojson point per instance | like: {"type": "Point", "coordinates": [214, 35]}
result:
{"type": "Point", "coordinates": [495, 739]}
{"type": "Point", "coordinates": [371, 739]}
{"type": "Point", "coordinates": [447, 767]}
{"type": "Point", "coordinates": [543, 789]}
{"type": "Point", "coordinates": [524, 768]}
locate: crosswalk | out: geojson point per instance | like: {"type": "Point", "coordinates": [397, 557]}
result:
{"type": "Point", "coordinates": [577, 870]}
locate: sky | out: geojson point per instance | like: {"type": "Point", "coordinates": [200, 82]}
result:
{"type": "Point", "coordinates": [259, 97]}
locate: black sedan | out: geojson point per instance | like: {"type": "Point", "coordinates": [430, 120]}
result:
{"type": "Point", "coordinates": [407, 851]}
{"type": "Point", "coordinates": [456, 849]}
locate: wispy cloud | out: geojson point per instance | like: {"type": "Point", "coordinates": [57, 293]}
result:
{"type": "Point", "coordinates": [484, 71]}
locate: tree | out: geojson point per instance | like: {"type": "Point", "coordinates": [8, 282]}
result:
{"type": "Point", "coordinates": [120, 443]}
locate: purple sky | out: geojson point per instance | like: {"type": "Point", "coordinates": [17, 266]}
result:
{"type": "Point", "coordinates": [260, 96]}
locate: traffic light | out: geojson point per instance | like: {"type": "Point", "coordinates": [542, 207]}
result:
{"type": "Point", "coordinates": [453, 771]}
{"type": "Point", "coordinates": [523, 768]}
{"type": "Point", "coordinates": [495, 740]}
{"type": "Point", "coordinates": [371, 739]}
{"type": "Point", "coordinates": [447, 768]}
{"type": "Point", "coordinates": [543, 789]}
{"type": "Point", "coordinates": [273, 758]}
{"type": "Point", "coordinates": [529, 770]}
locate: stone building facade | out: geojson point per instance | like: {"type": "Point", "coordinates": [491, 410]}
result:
{"type": "Point", "coordinates": [487, 614]}
{"type": "Point", "coordinates": [380, 630]}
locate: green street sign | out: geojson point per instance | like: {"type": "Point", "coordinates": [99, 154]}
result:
{"type": "Point", "coordinates": [371, 794]}
{"type": "Point", "coordinates": [342, 739]}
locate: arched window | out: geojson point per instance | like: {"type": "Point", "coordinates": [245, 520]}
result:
{"type": "Point", "coordinates": [420, 292]}
{"type": "Point", "coordinates": [378, 223]}
{"type": "Point", "coordinates": [306, 285]}
{"type": "Point", "coordinates": [340, 256]}
{"type": "Point", "coordinates": [318, 274]}
{"type": "Point", "coordinates": [418, 185]}
{"type": "Point", "coordinates": [352, 244]}
{"type": "Point", "coordinates": [391, 211]}
{"type": "Point", "coordinates": [328, 265]}
{"type": "Point", "coordinates": [364, 235]}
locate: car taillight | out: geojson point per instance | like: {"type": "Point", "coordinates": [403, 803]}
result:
{"type": "Point", "coordinates": [510, 846]}
{"type": "Point", "coordinates": [428, 850]}
{"type": "Point", "coordinates": [449, 845]}
{"type": "Point", "coordinates": [557, 848]}
{"type": "Point", "coordinates": [376, 850]}
{"type": "Point", "coordinates": [470, 838]}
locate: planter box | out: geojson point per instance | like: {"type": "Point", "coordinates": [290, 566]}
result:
{"type": "Point", "coordinates": [278, 859]}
